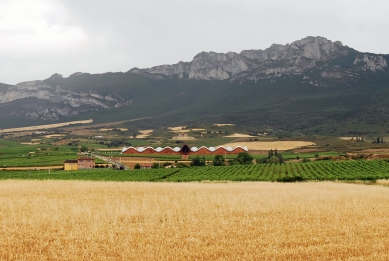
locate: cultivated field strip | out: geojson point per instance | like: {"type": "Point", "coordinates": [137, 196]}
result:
{"type": "Point", "coordinates": [345, 170]}
{"type": "Point", "coordinates": [320, 171]}
{"type": "Point", "coordinates": [47, 126]}
{"type": "Point", "coordinates": [79, 220]}
{"type": "Point", "coordinates": [270, 145]}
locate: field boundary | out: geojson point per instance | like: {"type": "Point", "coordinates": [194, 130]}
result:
{"type": "Point", "coordinates": [46, 126]}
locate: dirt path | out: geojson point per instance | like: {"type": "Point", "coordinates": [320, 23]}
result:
{"type": "Point", "coordinates": [33, 168]}
{"type": "Point", "coordinates": [107, 124]}
{"type": "Point", "coordinates": [131, 161]}
{"type": "Point", "coordinates": [47, 126]}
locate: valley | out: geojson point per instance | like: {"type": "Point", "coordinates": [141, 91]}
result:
{"type": "Point", "coordinates": [194, 130]}
{"type": "Point", "coordinates": [312, 114]}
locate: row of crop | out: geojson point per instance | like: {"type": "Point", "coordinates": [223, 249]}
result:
{"type": "Point", "coordinates": [345, 170]}
{"type": "Point", "coordinates": [93, 175]}
{"type": "Point", "coordinates": [19, 155]}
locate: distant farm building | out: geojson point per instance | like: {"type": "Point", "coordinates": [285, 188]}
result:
{"type": "Point", "coordinates": [146, 166]}
{"type": "Point", "coordinates": [81, 163]}
{"type": "Point", "coordinates": [109, 151]}
{"type": "Point", "coordinates": [185, 150]}
{"type": "Point", "coordinates": [183, 136]}
{"type": "Point", "coordinates": [86, 163]}
{"type": "Point", "coordinates": [70, 165]}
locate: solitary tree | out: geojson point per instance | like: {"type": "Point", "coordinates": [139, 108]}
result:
{"type": "Point", "coordinates": [244, 158]}
{"type": "Point", "coordinates": [198, 162]}
{"type": "Point", "coordinates": [218, 161]}
{"type": "Point", "coordinates": [83, 149]}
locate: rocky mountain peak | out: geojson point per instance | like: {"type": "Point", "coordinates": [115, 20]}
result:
{"type": "Point", "coordinates": [290, 59]}
{"type": "Point", "coordinates": [75, 74]}
{"type": "Point", "coordinates": [56, 76]}
{"type": "Point", "coordinates": [315, 48]}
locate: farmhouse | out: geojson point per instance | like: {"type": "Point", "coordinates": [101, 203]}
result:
{"type": "Point", "coordinates": [86, 163]}
{"type": "Point", "coordinates": [185, 150]}
{"type": "Point", "coordinates": [81, 163]}
{"type": "Point", "coordinates": [146, 166]}
{"type": "Point", "coordinates": [70, 165]}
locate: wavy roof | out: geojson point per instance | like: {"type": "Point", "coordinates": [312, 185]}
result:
{"type": "Point", "coordinates": [178, 149]}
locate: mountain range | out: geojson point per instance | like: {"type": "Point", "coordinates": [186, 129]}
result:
{"type": "Point", "coordinates": [312, 85]}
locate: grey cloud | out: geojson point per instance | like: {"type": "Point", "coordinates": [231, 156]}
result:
{"type": "Point", "coordinates": [125, 34]}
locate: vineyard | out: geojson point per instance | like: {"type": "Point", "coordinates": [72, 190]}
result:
{"type": "Point", "coordinates": [328, 170]}
{"type": "Point", "coordinates": [13, 154]}
{"type": "Point", "coordinates": [344, 170]}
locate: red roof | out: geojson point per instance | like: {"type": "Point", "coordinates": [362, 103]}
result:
{"type": "Point", "coordinates": [85, 159]}
{"type": "Point", "coordinates": [147, 165]}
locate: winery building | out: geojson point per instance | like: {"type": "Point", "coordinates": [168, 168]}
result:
{"type": "Point", "coordinates": [185, 151]}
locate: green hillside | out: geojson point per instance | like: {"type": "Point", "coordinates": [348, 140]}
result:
{"type": "Point", "coordinates": [354, 103]}
{"type": "Point", "coordinates": [284, 104]}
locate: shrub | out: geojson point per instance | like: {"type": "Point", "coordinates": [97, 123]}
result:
{"type": "Point", "coordinates": [182, 165]}
{"type": "Point", "coordinates": [243, 158]}
{"type": "Point", "coordinates": [83, 149]}
{"type": "Point", "coordinates": [166, 163]}
{"type": "Point", "coordinates": [198, 162]}
{"type": "Point", "coordinates": [218, 161]}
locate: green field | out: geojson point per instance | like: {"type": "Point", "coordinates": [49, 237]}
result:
{"type": "Point", "coordinates": [315, 171]}
{"type": "Point", "coordinates": [14, 154]}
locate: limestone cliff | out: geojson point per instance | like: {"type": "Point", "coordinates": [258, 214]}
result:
{"type": "Point", "coordinates": [277, 60]}
{"type": "Point", "coordinates": [56, 102]}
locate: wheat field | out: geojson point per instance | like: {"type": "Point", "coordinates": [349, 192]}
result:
{"type": "Point", "coordinates": [271, 145]}
{"type": "Point", "coordinates": [73, 220]}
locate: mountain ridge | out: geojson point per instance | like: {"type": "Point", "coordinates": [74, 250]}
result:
{"type": "Point", "coordinates": [251, 88]}
{"type": "Point", "coordinates": [298, 56]}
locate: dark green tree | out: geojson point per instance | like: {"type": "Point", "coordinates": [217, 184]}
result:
{"type": "Point", "coordinates": [244, 158]}
{"type": "Point", "coordinates": [83, 149]}
{"type": "Point", "coordinates": [280, 158]}
{"type": "Point", "coordinates": [197, 162]}
{"type": "Point", "coordinates": [155, 165]}
{"type": "Point", "coordinates": [270, 154]}
{"type": "Point", "coordinates": [273, 160]}
{"type": "Point", "coordinates": [218, 160]}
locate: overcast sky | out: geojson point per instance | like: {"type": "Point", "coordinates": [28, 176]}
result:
{"type": "Point", "coordinates": [41, 37]}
